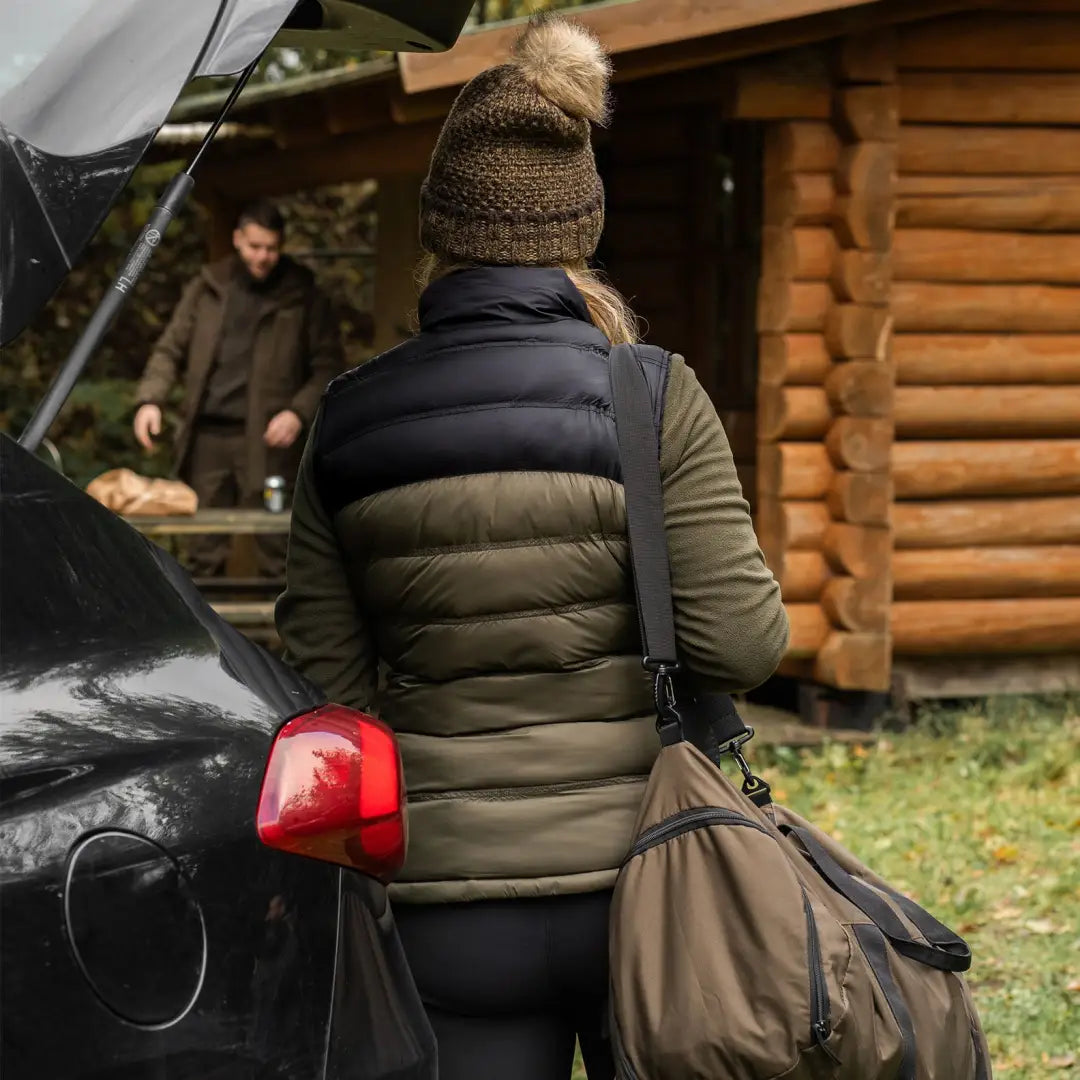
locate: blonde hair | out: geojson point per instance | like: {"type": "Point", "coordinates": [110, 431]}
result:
{"type": "Point", "coordinates": [610, 313]}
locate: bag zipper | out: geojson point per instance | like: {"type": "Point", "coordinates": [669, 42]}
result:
{"type": "Point", "coordinates": [701, 817]}
{"type": "Point", "coordinates": [820, 1010]}
{"type": "Point", "coordinates": [504, 794]}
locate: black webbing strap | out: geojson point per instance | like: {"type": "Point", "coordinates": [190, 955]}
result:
{"type": "Point", "coordinates": [639, 456]}
{"type": "Point", "coordinates": [946, 951]}
{"type": "Point", "coordinates": [711, 722]}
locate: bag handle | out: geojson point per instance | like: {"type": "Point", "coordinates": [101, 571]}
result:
{"type": "Point", "coordinates": [946, 951]}
{"type": "Point", "coordinates": [639, 457]}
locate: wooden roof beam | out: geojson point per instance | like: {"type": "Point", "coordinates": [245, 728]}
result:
{"type": "Point", "coordinates": [653, 37]}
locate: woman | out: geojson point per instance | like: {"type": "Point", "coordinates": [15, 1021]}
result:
{"type": "Point", "coordinates": [458, 563]}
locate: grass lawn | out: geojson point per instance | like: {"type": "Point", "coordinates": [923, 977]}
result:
{"type": "Point", "coordinates": [976, 814]}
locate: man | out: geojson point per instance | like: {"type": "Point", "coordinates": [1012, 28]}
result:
{"type": "Point", "coordinates": [254, 343]}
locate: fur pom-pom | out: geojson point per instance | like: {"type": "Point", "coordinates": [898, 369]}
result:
{"type": "Point", "coordinates": [566, 64]}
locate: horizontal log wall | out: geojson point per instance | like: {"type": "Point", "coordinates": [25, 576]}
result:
{"type": "Point", "coordinates": [825, 383]}
{"type": "Point", "coordinates": [986, 306]}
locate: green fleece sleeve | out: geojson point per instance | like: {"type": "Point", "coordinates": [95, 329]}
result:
{"type": "Point", "coordinates": [730, 623]}
{"type": "Point", "coordinates": [324, 635]}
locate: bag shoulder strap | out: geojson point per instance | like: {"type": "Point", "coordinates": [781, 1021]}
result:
{"type": "Point", "coordinates": [639, 457]}
{"type": "Point", "coordinates": [712, 723]}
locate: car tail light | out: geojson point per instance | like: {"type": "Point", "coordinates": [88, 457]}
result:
{"type": "Point", "coordinates": [333, 790]}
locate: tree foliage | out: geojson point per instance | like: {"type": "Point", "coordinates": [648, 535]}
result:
{"type": "Point", "coordinates": [93, 432]}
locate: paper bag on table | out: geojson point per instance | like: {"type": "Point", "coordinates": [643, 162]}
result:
{"type": "Point", "coordinates": [126, 492]}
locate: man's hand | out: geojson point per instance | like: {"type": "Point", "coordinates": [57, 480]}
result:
{"type": "Point", "coordinates": [147, 425]}
{"type": "Point", "coordinates": [282, 430]}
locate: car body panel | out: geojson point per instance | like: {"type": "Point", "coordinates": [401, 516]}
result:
{"type": "Point", "coordinates": [134, 733]}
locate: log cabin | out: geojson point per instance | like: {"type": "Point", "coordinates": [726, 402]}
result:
{"type": "Point", "coordinates": [860, 223]}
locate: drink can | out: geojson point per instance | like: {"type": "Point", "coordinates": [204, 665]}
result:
{"type": "Point", "coordinates": [274, 494]}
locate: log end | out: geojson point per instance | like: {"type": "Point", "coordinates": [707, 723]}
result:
{"type": "Point", "coordinates": [855, 661]}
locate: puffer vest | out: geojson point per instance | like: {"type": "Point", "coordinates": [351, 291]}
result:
{"type": "Point", "coordinates": [473, 478]}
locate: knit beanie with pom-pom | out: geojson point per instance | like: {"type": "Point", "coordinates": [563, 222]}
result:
{"type": "Point", "coordinates": [513, 179]}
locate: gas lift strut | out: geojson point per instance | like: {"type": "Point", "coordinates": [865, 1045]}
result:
{"type": "Point", "coordinates": [167, 207]}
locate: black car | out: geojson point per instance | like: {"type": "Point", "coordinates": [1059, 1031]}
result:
{"type": "Point", "coordinates": [159, 773]}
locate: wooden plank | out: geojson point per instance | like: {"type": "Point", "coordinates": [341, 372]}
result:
{"type": "Point", "coordinates": [622, 28]}
{"type": "Point", "coordinates": [792, 306]}
{"type": "Point", "coordinates": [792, 359]}
{"type": "Point", "coordinates": [868, 113]}
{"type": "Point", "coordinates": [960, 255]}
{"type": "Point", "coordinates": [246, 613]}
{"type": "Point", "coordinates": [861, 388]}
{"type": "Point", "coordinates": [803, 254]}
{"type": "Point", "coordinates": [794, 470]}
{"type": "Point", "coordinates": [993, 151]}
{"type": "Point", "coordinates": [986, 412]}
{"type": "Point", "coordinates": [861, 498]}
{"type": "Point", "coordinates": [960, 97]}
{"type": "Point", "coordinates": [766, 91]}
{"type": "Point", "coordinates": [930, 306]}
{"type": "Point", "coordinates": [923, 470]}
{"type": "Point", "coordinates": [785, 525]}
{"type": "Point", "coordinates": [858, 331]}
{"type": "Point", "coordinates": [985, 572]}
{"type": "Point", "coordinates": [865, 184]}
{"type": "Point", "coordinates": [1041, 203]}
{"type": "Point", "coordinates": [862, 277]}
{"type": "Point", "coordinates": [868, 57]}
{"type": "Point", "coordinates": [859, 550]}
{"type": "Point", "coordinates": [219, 522]}
{"type": "Point", "coordinates": [799, 199]}
{"type": "Point", "coordinates": [809, 629]}
{"type": "Point", "coordinates": [859, 444]}
{"type": "Point", "coordinates": [804, 576]}
{"type": "Point", "coordinates": [927, 678]}
{"type": "Point", "coordinates": [860, 604]}
{"type": "Point", "coordinates": [1034, 625]}
{"type": "Point", "coordinates": [793, 412]}
{"type": "Point", "coordinates": [966, 255]}
{"type": "Point", "coordinates": [854, 661]}
{"type": "Point", "coordinates": [985, 359]}
{"type": "Point", "coordinates": [800, 146]}
{"type": "Point", "coordinates": [963, 523]}
{"type": "Point", "coordinates": [984, 41]}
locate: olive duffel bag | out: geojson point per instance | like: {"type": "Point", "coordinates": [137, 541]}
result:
{"type": "Point", "coordinates": [745, 943]}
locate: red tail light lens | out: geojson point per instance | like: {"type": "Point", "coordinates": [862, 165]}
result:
{"type": "Point", "coordinates": [333, 790]}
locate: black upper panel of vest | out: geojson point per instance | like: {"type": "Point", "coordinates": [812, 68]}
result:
{"type": "Point", "coordinates": [506, 374]}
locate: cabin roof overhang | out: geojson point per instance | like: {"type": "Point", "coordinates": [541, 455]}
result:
{"type": "Point", "coordinates": [380, 117]}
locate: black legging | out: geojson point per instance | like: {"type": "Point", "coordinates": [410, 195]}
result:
{"type": "Point", "coordinates": [509, 984]}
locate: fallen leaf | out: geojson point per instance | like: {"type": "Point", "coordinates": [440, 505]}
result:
{"type": "Point", "coordinates": [1074, 986]}
{"type": "Point", "coordinates": [1040, 926]}
{"type": "Point", "coordinates": [1006, 853]}
{"type": "Point", "coordinates": [1059, 1061]}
